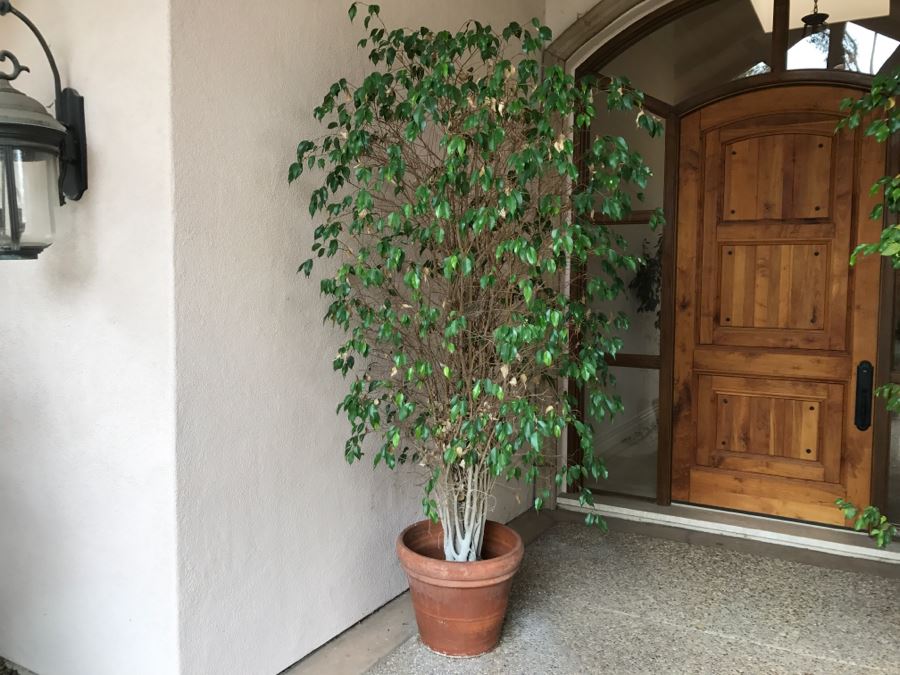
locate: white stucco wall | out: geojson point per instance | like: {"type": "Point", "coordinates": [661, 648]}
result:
{"type": "Point", "coordinates": [184, 251]}
{"type": "Point", "coordinates": [87, 524]}
{"type": "Point", "coordinates": [560, 14]}
{"type": "Point", "coordinates": [282, 545]}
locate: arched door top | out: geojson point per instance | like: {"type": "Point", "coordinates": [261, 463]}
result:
{"type": "Point", "coordinates": [612, 27]}
{"type": "Point", "coordinates": [789, 78]}
{"type": "Point", "coordinates": [609, 27]}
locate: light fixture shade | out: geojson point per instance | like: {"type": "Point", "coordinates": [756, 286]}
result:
{"type": "Point", "coordinates": [24, 120]}
{"type": "Point", "coordinates": [28, 195]}
{"type": "Point", "coordinates": [30, 143]}
{"type": "Point", "coordinates": [815, 22]}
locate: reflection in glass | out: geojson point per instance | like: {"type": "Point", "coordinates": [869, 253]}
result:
{"type": "Point", "coordinates": [757, 69]}
{"type": "Point", "coordinates": [673, 62]}
{"type": "Point", "coordinates": [896, 351]}
{"type": "Point", "coordinates": [861, 50]}
{"type": "Point", "coordinates": [893, 499]}
{"type": "Point", "coordinates": [865, 50]}
{"type": "Point", "coordinates": [652, 150]}
{"type": "Point", "coordinates": [893, 483]}
{"type": "Point", "coordinates": [628, 442]}
{"type": "Point", "coordinates": [640, 300]}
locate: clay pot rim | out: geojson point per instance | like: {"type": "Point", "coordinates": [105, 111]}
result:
{"type": "Point", "coordinates": [460, 573]}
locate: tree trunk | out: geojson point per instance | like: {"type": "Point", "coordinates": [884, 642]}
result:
{"type": "Point", "coordinates": [462, 507]}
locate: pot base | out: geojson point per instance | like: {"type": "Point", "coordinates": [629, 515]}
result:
{"type": "Point", "coordinates": [460, 606]}
{"type": "Point", "coordinates": [460, 657]}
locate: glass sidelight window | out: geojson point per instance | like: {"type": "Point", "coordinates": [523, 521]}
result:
{"type": "Point", "coordinates": [846, 46]}
{"type": "Point", "coordinates": [629, 442]}
{"type": "Point", "coordinates": [672, 63]}
{"type": "Point", "coordinates": [893, 467]}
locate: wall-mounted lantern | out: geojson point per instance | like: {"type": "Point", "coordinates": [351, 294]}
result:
{"type": "Point", "coordinates": [43, 159]}
{"type": "Point", "coordinates": [815, 22]}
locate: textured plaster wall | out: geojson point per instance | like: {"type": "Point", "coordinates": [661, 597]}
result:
{"type": "Point", "coordinates": [87, 486]}
{"type": "Point", "coordinates": [560, 14]}
{"type": "Point", "coordinates": [282, 545]}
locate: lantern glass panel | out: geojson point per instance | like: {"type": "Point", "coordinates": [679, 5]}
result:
{"type": "Point", "coordinates": [27, 199]}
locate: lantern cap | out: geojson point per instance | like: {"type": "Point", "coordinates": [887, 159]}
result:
{"type": "Point", "coordinates": [25, 122]}
{"type": "Point", "coordinates": [17, 109]}
{"type": "Point", "coordinates": [816, 21]}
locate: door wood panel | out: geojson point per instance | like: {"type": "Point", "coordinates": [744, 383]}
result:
{"type": "Point", "coordinates": [760, 181]}
{"type": "Point", "coordinates": [771, 319]}
{"type": "Point", "coordinates": [773, 285]}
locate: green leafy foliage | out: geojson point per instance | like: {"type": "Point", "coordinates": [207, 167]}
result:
{"type": "Point", "coordinates": [891, 393]}
{"type": "Point", "coordinates": [870, 520]}
{"type": "Point", "coordinates": [450, 211]}
{"type": "Point", "coordinates": [878, 109]}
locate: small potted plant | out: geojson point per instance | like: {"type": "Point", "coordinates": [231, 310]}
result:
{"type": "Point", "coordinates": [451, 211]}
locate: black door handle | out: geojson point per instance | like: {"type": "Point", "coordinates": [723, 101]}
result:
{"type": "Point", "coordinates": [863, 416]}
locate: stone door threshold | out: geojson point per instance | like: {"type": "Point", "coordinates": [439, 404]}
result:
{"type": "Point", "coordinates": [831, 541]}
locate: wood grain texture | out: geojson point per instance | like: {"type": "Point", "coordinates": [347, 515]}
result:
{"type": "Point", "coordinates": [822, 366]}
{"type": "Point", "coordinates": [773, 286]}
{"type": "Point", "coordinates": [778, 177]}
{"type": "Point", "coordinates": [776, 427]}
{"type": "Point", "coordinates": [648, 361]}
{"type": "Point", "coordinates": [781, 15]}
{"type": "Point", "coordinates": [758, 493]}
{"type": "Point", "coordinates": [856, 469]}
{"type": "Point", "coordinates": [771, 319]}
{"type": "Point", "coordinates": [684, 431]}
{"type": "Point", "coordinates": [667, 315]}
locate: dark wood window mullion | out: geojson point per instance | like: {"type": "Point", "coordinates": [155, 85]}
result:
{"type": "Point", "coordinates": [662, 362]}
{"type": "Point", "coordinates": [667, 314]}
{"type": "Point", "coordinates": [574, 453]}
{"type": "Point", "coordinates": [780, 35]}
{"type": "Point", "coordinates": [638, 361]}
{"type": "Point", "coordinates": [835, 46]}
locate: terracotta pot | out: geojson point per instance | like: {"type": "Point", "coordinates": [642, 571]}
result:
{"type": "Point", "coordinates": [460, 606]}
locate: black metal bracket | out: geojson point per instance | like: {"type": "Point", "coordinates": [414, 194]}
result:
{"type": "Point", "coordinates": [69, 109]}
{"type": "Point", "coordinates": [73, 168]}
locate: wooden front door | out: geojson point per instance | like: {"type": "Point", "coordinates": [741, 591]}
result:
{"type": "Point", "coordinates": [770, 320]}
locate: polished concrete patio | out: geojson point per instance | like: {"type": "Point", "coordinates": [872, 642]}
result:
{"type": "Point", "coordinates": [628, 602]}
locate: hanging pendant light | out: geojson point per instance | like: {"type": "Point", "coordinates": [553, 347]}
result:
{"type": "Point", "coordinates": [815, 22]}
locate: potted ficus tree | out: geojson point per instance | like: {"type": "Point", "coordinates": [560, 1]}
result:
{"type": "Point", "coordinates": [453, 208]}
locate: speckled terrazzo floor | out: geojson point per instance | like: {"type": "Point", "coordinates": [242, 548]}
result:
{"type": "Point", "coordinates": [584, 602]}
